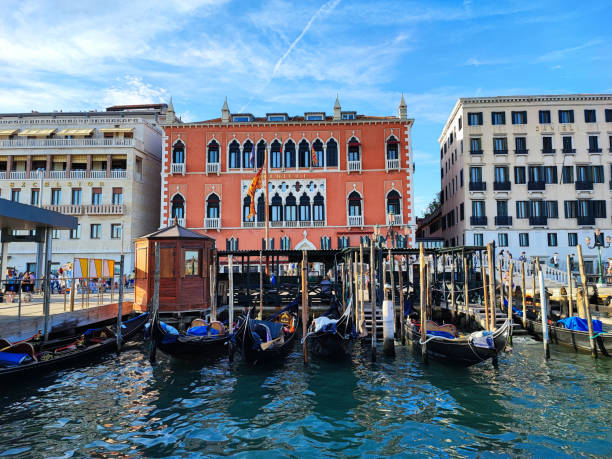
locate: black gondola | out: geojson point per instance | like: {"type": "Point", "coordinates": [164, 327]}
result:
{"type": "Point", "coordinates": [333, 337]}
{"type": "Point", "coordinates": [458, 351]}
{"type": "Point", "coordinates": [270, 340]}
{"type": "Point", "coordinates": [211, 345]}
{"type": "Point", "coordinates": [29, 357]}
{"type": "Point", "coordinates": [576, 339]}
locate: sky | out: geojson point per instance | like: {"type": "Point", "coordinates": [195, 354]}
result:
{"type": "Point", "coordinates": [294, 57]}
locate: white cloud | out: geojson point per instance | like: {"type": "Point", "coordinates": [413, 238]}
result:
{"type": "Point", "coordinates": [132, 90]}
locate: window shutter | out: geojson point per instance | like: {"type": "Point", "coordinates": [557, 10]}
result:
{"type": "Point", "coordinates": [571, 116]}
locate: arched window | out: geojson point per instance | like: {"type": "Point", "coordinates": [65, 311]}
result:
{"type": "Point", "coordinates": [304, 208]}
{"type": "Point", "coordinates": [212, 206]}
{"type": "Point", "coordinates": [332, 153]}
{"type": "Point", "coordinates": [392, 148]}
{"type": "Point", "coordinates": [261, 209]}
{"type": "Point", "coordinates": [276, 157]}
{"type": "Point", "coordinates": [178, 206]}
{"type": "Point", "coordinates": [285, 243]}
{"type": "Point", "coordinates": [246, 209]}
{"type": "Point", "coordinates": [290, 209]}
{"type": "Point", "coordinates": [318, 208]}
{"type": "Point", "coordinates": [354, 203]}
{"type": "Point", "coordinates": [394, 203]}
{"type": "Point", "coordinates": [317, 160]}
{"type": "Point", "coordinates": [261, 152]}
{"type": "Point", "coordinates": [304, 153]}
{"type": "Point", "coordinates": [276, 209]}
{"type": "Point", "coordinates": [248, 154]}
{"type": "Point", "coordinates": [178, 153]}
{"type": "Point", "coordinates": [213, 152]}
{"type": "Point", "coordinates": [289, 154]}
{"type": "Point", "coordinates": [354, 150]}
{"type": "Point", "coordinates": [234, 155]}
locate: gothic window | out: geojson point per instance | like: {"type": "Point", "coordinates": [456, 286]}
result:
{"type": "Point", "coordinates": [276, 155]}
{"type": "Point", "coordinates": [304, 208]}
{"type": "Point", "coordinates": [261, 152]}
{"type": "Point", "coordinates": [234, 155]}
{"type": "Point", "coordinates": [304, 153]}
{"type": "Point", "coordinates": [246, 209]}
{"type": "Point", "coordinates": [332, 153]}
{"type": "Point", "coordinates": [178, 206]}
{"type": "Point", "coordinates": [178, 152]}
{"type": "Point", "coordinates": [354, 203]}
{"type": "Point", "coordinates": [318, 208]}
{"type": "Point", "coordinates": [325, 243]}
{"type": "Point", "coordinates": [261, 209]}
{"type": "Point", "coordinates": [212, 206]}
{"type": "Point", "coordinates": [213, 152]}
{"type": "Point", "coordinates": [392, 148]}
{"type": "Point", "coordinates": [285, 243]}
{"type": "Point", "coordinates": [276, 209]}
{"type": "Point", "coordinates": [248, 154]}
{"type": "Point", "coordinates": [290, 208]}
{"type": "Point", "coordinates": [317, 147]}
{"type": "Point", "coordinates": [354, 150]}
{"type": "Point", "coordinates": [231, 244]}
{"type": "Point", "coordinates": [393, 203]}
{"type": "Point", "coordinates": [289, 154]}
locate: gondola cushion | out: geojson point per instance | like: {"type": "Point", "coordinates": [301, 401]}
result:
{"type": "Point", "coordinates": [11, 359]}
{"type": "Point", "coordinates": [325, 324]}
{"type": "Point", "coordinates": [201, 330]}
{"type": "Point", "coordinates": [440, 333]}
{"type": "Point", "coordinates": [577, 323]}
{"type": "Point", "coordinates": [482, 339]}
{"type": "Point", "coordinates": [168, 328]}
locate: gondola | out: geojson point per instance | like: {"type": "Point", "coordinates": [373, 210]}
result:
{"type": "Point", "coordinates": [463, 350]}
{"type": "Point", "coordinates": [270, 340]}
{"type": "Point", "coordinates": [31, 357]}
{"type": "Point", "coordinates": [331, 336]}
{"type": "Point", "coordinates": [200, 341]}
{"type": "Point", "coordinates": [575, 339]}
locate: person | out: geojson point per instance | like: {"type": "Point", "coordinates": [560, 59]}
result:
{"type": "Point", "coordinates": [9, 288]}
{"type": "Point", "coordinates": [554, 260]}
{"type": "Point", "coordinates": [609, 272]}
{"type": "Point", "coordinates": [523, 256]}
{"type": "Point", "coordinates": [132, 277]}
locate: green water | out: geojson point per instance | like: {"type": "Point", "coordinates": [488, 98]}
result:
{"type": "Point", "coordinates": [124, 407]}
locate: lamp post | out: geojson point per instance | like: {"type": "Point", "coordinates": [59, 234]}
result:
{"type": "Point", "coordinates": [599, 243]}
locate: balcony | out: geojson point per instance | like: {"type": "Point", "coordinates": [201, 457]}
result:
{"type": "Point", "coordinates": [394, 220]}
{"type": "Point", "coordinates": [583, 185]}
{"type": "Point", "coordinates": [478, 221]}
{"type": "Point", "coordinates": [548, 151]}
{"type": "Point", "coordinates": [177, 168]}
{"type": "Point", "coordinates": [568, 150]}
{"type": "Point", "coordinates": [502, 186]}
{"type": "Point", "coordinates": [500, 152]}
{"type": "Point", "coordinates": [118, 173]}
{"type": "Point", "coordinates": [57, 174]}
{"type": "Point", "coordinates": [78, 174]}
{"type": "Point", "coordinates": [586, 221]}
{"type": "Point", "coordinates": [60, 143]}
{"type": "Point", "coordinates": [276, 224]}
{"type": "Point", "coordinates": [104, 209]}
{"type": "Point", "coordinates": [538, 220]}
{"type": "Point", "coordinates": [291, 223]}
{"type": "Point", "coordinates": [318, 223]}
{"type": "Point", "coordinates": [212, 223]}
{"type": "Point", "coordinates": [475, 152]}
{"type": "Point", "coordinates": [179, 221]}
{"type": "Point", "coordinates": [503, 220]}
{"type": "Point", "coordinates": [68, 209]}
{"type": "Point", "coordinates": [248, 224]}
{"type": "Point", "coordinates": [594, 150]}
{"type": "Point", "coordinates": [539, 185]}
{"type": "Point", "coordinates": [354, 166]}
{"type": "Point", "coordinates": [478, 186]}
{"type": "Point", "coordinates": [97, 174]}
{"type": "Point", "coordinates": [305, 223]}
{"type": "Point", "coordinates": [3, 175]}
{"type": "Point", "coordinates": [18, 175]}
{"type": "Point", "coordinates": [393, 164]}
{"type": "Point", "coordinates": [521, 152]}
{"type": "Point", "coordinates": [37, 174]}
{"type": "Point", "coordinates": [355, 220]}
{"type": "Point", "coordinates": [213, 168]}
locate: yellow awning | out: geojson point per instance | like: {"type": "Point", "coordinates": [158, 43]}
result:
{"type": "Point", "coordinates": [59, 159]}
{"type": "Point", "coordinates": [20, 158]}
{"type": "Point", "coordinates": [8, 131]}
{"type": "Point", "coordinates": [119, 157]}
{"type": "Point", "coordinates": [79, 159]}
{"type": "Point", "coordinates": [39, 157]}
{"type": "Point", "coordinates": [2, 158]}
{"type": "Point", "coordinates": [36, 132]}
{"type": "Point", "coordinates": [116, 130]}
{"type": "Point", "coordinates": [99, 158]}
{"type": "Point", "coordinates": [75, 132]}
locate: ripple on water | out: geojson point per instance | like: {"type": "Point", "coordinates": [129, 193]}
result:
{"type": "Point", "coordinates": [394, 407]}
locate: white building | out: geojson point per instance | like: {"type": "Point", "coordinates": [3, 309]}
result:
{"type": "Point", "coordinates": [103, 167]}
{"type": "Point", "coordinates": [529, 173]}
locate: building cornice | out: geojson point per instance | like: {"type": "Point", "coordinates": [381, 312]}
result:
{"type": "Point", "coordinates": [280, 124]}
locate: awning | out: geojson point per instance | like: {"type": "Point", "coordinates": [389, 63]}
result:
{"type": "Point", "coordinates": [59, 158]}
{"type": "Point", "coordinates": [79, 158]}
{"type": "Point", "coordinates": [99, 158]}
{"type": "Point", "coordinates": [119, 157]}
{"type": "Point", "coordinates": [8, 131]}
{"type": "Point", "coordinates": [75, 132]}
{"type": "Point", "coordinates": [116, 130]}
{"type": "Point", "coordinates": [39, 157]}
{"type": "Point", "coordinates": [20, 158]}
{"type": "Point", "coordinates": [2, 158]}
{"type": "Point", "coordinates": [36, 132]}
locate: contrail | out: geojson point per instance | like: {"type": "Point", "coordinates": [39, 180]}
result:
{"type": "Point", "coordinates": [325, 8]}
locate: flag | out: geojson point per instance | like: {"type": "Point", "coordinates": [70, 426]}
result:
{"type": "Point", "coordinates": [252, 158]}
{"type": "Point", "coordinates": [315, 159]}
{"type": "Point", "coordinates": [255, 185]}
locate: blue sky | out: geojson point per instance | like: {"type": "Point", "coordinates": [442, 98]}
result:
{"type": "Point", "coordinates": [295, 56]}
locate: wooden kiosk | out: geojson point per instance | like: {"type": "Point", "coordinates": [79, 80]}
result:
{"type": "Point", "coordinates": [185, 259]}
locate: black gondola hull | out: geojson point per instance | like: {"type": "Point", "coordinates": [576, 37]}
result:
{"type": "Point", "coordinates": [330, 346]}
{"type": "Point", "coordinates": [190, 347]}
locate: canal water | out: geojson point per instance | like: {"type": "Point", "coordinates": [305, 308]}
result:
{"type": "Point", "coordinates": [124, 407]}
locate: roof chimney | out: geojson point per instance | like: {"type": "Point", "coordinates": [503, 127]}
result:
{"type": "Point", "coordinates": [170, 115]}
{"type": "Point", "coordinates": [402, 109]}
{"type": "Point", "coordinates": [337, 110]}
{"type": "Point", "coordinates": [225, 112]}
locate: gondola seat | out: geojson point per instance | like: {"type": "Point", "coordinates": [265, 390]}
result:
{"type": "Point", "coordinates": [216, 325]}
{"type": "Point", "coordinates": [197, 323]}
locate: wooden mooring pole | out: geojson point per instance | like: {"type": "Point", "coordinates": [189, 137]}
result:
{"type": "Point", "coordinates": [388, 315]}
{"type": "Point", "coordinates": [373, 298]}
{"type": "Point", "coordinates": [120, 304]}
{"type": "Point", "coordinates": [452, 286]}
{"type": "Point", "coordinates": [524, 293]}
{"type": "Point", "coordinates": [485, 294]}
{"type": "Point", "coordinates": [261, 289]}
{"type": "Point", "coordinates": [401, 300]}
{"type": "Point", "coordinates": [491, 284]}
{"type": "Point", "coordinates": [304, 302]}
{"type": "Point", "coordinates": [466, 290]}
{"type": "Point", "coordinates": [154, 307]}
{"type": "Point", "coordinates": [586, 302]}
{"type": "Point", "coordinates": [510, 297]}
{"type": "Point", "coordinates": [543, 313]}
{"type": "Point", "coordinates": [570, 294]}
{"type": "Point", "coordinates": [423, 300]}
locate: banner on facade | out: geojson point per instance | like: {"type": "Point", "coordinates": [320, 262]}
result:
{"type": "Point", "coordinates": [93, 267]}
